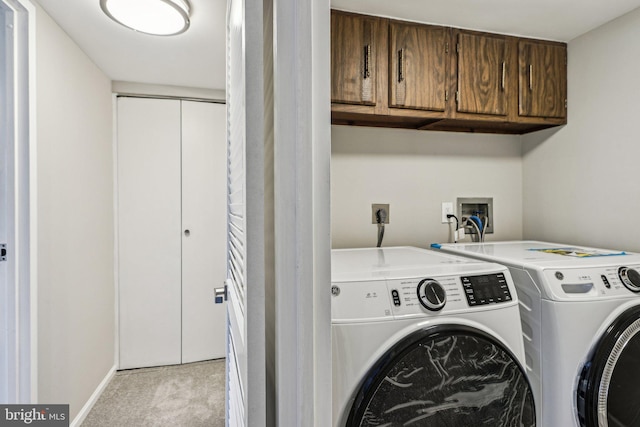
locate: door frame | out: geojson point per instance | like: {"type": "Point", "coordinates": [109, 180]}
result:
{"type": "Point", "coordinates": [302, 147]}
{"type": "Point", "coordinates": [20, 340]}
{"type": "Point", "coordinates": [284, 62]}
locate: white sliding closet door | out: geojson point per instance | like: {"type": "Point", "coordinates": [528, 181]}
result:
{"type": "Point", "coordinates": [149, 236]}
{"type": "Point", "coordinates": [204, 216]}
{"type": "Point", "coordinates": [172, 228]}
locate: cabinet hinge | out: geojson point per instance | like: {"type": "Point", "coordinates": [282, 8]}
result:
{"type": "Point", "coordinates": [446, 95]}
{"type": "Point", "coordinates": [457, 47]}
{"type": "Point", "coordinates": [565, 103]}
{"type": "Point", "coordinates": [3, 251]}
{"type": "Point", "coordinates": [457, 96]}
{"type": "Point", "coordinates": [446, 47]}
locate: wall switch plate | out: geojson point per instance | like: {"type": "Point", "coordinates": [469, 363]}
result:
{"type": "Point", "coordinates": [374, 209]}
{"type": "Point", "coordinates": [447, 209]}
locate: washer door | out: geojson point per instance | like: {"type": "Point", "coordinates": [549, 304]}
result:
{"type": "Point", "coordinates": [609, 384]}
{"type": "Point", "coordinates": [446, 375]}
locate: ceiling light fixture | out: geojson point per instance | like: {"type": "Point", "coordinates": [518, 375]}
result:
{"type": "Point", "coordinates": [157, 17]}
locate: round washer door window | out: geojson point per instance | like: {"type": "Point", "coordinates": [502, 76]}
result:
{"type": "Point", "coordinates": [610, 380]}
{"type": "Point", "coordinates": [445, 376]}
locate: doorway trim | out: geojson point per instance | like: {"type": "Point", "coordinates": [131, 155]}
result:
{"type": "Point", "coordinates": [19, 337]}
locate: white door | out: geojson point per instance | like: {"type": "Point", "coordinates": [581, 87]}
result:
{"type": "Point", "coordinates": [247, 390]}
{"type": "Point", "coordinates": [203, 229]}
{"type": "Point", "coordinates": [171, 222]}
{"type": "Point", "coordinates": [237, 381]}
{"type": "Point", "coordinates": [149, 234]}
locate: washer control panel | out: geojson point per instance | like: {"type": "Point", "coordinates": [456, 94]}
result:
{"type": "Point", "coordinates": [630, 278]}
{"type": "Point", "coordinates": [598, 282]}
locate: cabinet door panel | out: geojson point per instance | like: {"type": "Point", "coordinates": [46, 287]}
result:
{"type": "Point", "coordinates": [543, 79]}
{"type": "Point", "coordinates": [481, 74]}
{"type": "Point", "coordinates": [417, 67]}
{"type": "Point", "coordinates": [353, 53]}
{"type": "Point", "coordinates": [149, 232]}
{"type": "Point", "coordinates": [204, 215]}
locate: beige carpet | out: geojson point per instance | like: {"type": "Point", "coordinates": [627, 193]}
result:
{"type": "Point", "coordinates": [189, 395]}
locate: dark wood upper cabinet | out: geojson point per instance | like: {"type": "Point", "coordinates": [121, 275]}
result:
{"type": "Point", "coordinates": [353, 65]}
{"type": "Point", "coordinates": [542, 79]}
{"type": "Point", "coordinates": [482, 67]}
{"type": "Point", "coordinates": [391, 73]}
{"type": "Point", "coordinates": [417, 66]}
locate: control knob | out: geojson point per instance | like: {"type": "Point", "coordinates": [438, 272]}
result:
{"type": "Point", "coordinates": [431, 294]}
{"type": "Point", "coordinates": [630, 278]}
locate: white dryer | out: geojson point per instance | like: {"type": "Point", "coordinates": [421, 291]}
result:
{"type": "Point", "coordinates": [580, 311]}
{"type": "Point", "coordinates": [425, 339]}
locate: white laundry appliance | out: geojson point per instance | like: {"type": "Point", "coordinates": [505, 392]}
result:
{"type": "Point", "coordinates": [425, 339]}
{"type": "Point", "coordinates": [580, 311]}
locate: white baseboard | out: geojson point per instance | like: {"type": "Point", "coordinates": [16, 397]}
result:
{"type": "Point", "coordinates": [93, 399]}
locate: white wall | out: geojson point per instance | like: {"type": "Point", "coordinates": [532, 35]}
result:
{"type": "Point", "coordinates": [75, 220]}
{"type": "Point", "coordinates": [414, 171]}
{"type": "Point", "coordinates": [582, 182]}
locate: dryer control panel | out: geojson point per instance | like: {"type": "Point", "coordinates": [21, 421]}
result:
{"type": "Point", "coordinates": [421, 296]}
{"type": "Point", "coordinates": [486, 289]}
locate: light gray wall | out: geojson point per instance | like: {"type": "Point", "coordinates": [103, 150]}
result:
{"type": "Point", "coordinates": [415, 171]}
{"type": "Point", "coordinates": [75, 220]}
{"type": "Point", "coordinates": [582, 182]}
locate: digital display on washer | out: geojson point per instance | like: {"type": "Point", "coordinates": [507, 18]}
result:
{"type": "Point", "coordinates": [486, 289]}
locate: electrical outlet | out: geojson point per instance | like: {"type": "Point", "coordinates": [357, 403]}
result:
{"type": "Point", "coordinates": [374, 209]}
{"type": "Point", "coordinates": [447, 209]}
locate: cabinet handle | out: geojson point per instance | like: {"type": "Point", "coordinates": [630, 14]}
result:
{"type": "Point", "coordinates": [503, 74]}
{"type": "Point", "coordinates": [401, 65]}
{"type": "Point", "coordinates": [530, 77]}
{"type": "Point", "coordinates": [367, 63]}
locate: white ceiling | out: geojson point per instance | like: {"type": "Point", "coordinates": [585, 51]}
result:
{"type": "Point", "coordinates": [196, 58]}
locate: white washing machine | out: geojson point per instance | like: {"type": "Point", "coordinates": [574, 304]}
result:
{"type": "Point", "coordinates": [580, 311]}
{"type": "Point", "coordinates": [425, 339]}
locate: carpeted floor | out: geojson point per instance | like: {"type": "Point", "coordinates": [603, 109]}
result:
{"type": "Point", "coordinates": [190, 395]}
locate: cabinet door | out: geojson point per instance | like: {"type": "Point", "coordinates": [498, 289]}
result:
{"type": "Point", "coordinates": [353, 53]}
{"type": "Point", "coordinates": [481, 74]}
{"type": "Point", "coordinates": [204, 216]}
{"type": "Point", "coordinates": [149, 232]}
{"type": "Point", "coordinates": [543, 79]}
{"type": "Point", "coordinates": [417, 66]}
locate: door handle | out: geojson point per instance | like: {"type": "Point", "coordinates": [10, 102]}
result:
{"type": "Point", "coordinates": [220, 294]}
